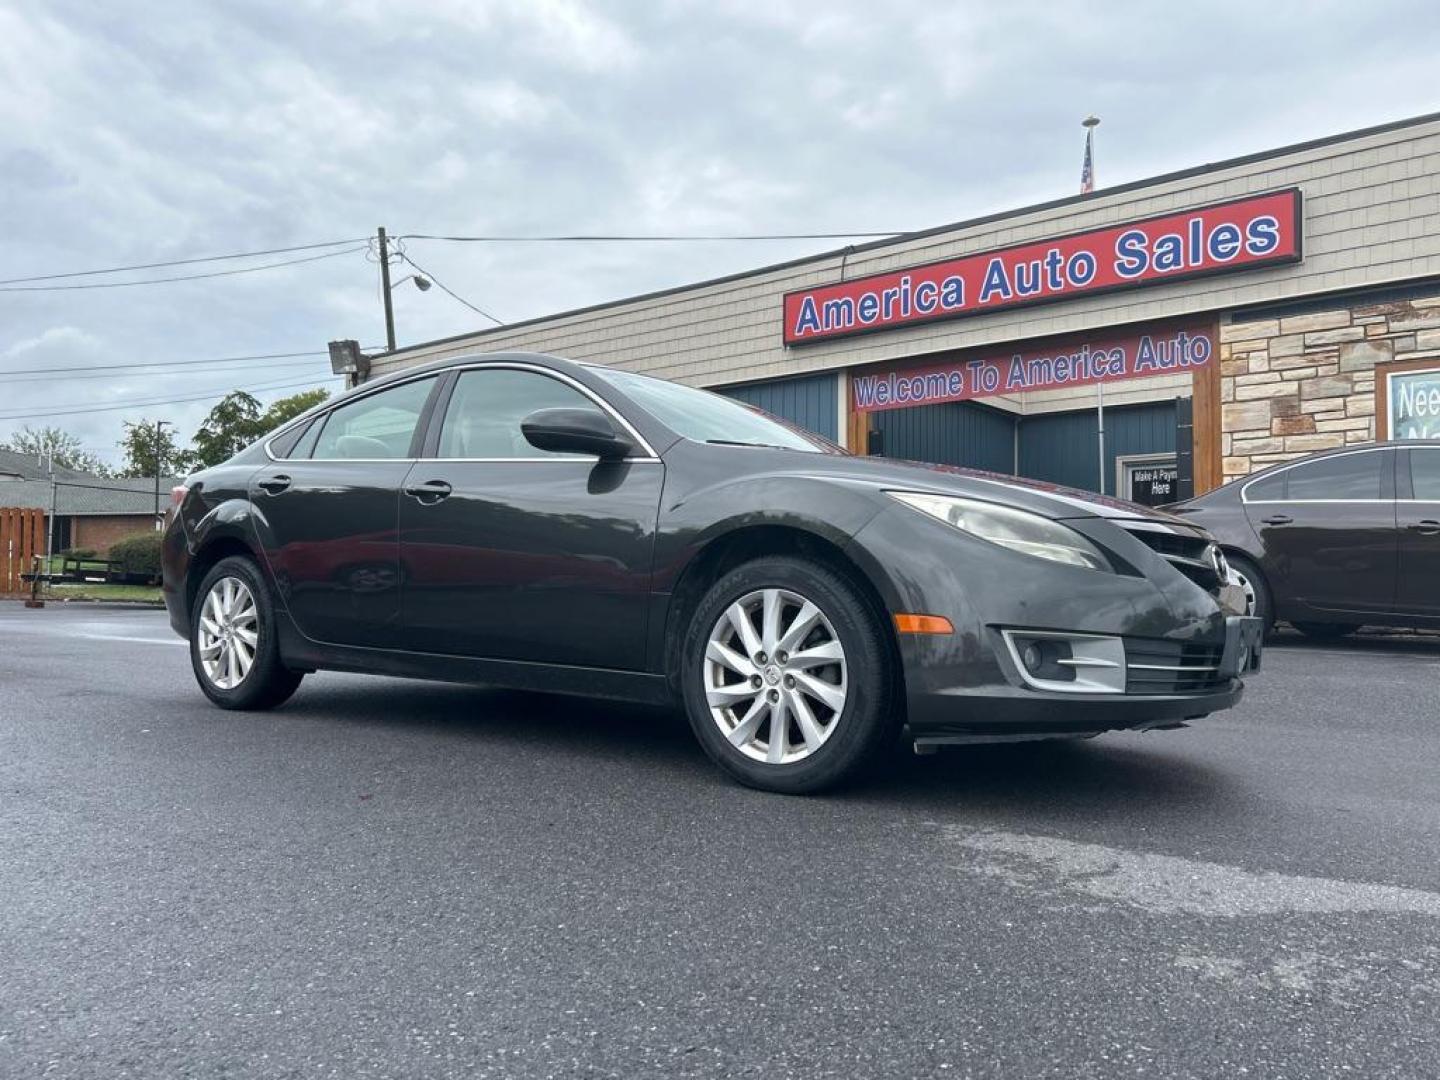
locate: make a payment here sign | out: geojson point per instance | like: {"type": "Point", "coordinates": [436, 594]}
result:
{"type": "Point", "coordinates": [1242, 234]}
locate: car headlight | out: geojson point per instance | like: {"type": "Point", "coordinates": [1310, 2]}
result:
{"type": "Point", "coordinates": [1018, 530]}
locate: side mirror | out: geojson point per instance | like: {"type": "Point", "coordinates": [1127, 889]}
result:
{"type": "Point", "coordinates": [575, 431]}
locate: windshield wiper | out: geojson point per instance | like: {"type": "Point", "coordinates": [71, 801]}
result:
{"type": "Point", "coordinates": [741, 442]}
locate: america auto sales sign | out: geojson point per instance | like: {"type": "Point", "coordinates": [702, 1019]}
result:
{"type": "Point", "coordinates": [1242, 234]}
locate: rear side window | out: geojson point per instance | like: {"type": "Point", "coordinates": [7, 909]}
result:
{"type": "Point", "coordinates": [377, 426]}
{"type": "Point", "coordinates": [1350, 476]}
{"type": "Point", "coordinates": [1269, 489]}
{"type": "Point", "coordinates": [1425, 473]}
{"type": "Point", "coordinates": [283, 446]}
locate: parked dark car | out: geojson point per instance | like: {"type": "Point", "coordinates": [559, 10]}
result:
{"type": "Point", "coordinates": [1335, 541]}
{"type": "Point", "coordinates": [526, 521]}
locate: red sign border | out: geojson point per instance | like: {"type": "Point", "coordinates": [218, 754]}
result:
{"type": "Point", "coordinates": [1264, 262]}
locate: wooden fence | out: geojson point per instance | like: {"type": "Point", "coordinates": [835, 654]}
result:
{"type": "Point", "coordinates": [22, 537]}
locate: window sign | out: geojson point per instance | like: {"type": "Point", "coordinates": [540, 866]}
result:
{"type": "Point", "coordinates": [1148, 479]}
{"type": "Point", "coordinates": [1413, 407]}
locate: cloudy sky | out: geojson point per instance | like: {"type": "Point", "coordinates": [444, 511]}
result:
{"type": "Point", "coordinates": [138, 133]}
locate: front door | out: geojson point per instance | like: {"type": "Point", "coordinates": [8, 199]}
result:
{"type": "Point", "coordinates": [1418, 516]}
{"type": "Point", "coordinates": [510, 552]}
{"type": "Point", "coordinates": [326, 517]}
{"type": "Point", "coordinates": [1328, 531]}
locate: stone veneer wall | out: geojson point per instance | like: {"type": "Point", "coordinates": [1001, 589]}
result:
{"type": "Point", "coordinates": [1291, 386]}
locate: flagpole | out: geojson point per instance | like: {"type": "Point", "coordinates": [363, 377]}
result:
{"type": "Point", "coordinates": [1087, 185]}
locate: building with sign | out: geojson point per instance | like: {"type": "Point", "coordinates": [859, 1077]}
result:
{"type": "Point", "coordinates": [1148, 340]}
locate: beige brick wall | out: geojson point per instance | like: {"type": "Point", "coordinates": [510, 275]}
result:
{"type": "Point", "coordinates": [1372, 216]}
{"type": "Point", "coordinates": [1291, 386]}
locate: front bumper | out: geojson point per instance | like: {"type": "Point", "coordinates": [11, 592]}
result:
{"type": "Point", "coordinates": [1185, 657]}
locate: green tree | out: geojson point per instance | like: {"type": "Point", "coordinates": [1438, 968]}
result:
{"type": "Point", "coordinates": [69, 454]}
{"type": "Point", "coordinates": [231, 426]}
{"type": "Point", "coordinates": [237, 421]}
{"type": "Point", "coordinates": [140, 445]}
{"type": "Point", "coordinates": [287, 408]}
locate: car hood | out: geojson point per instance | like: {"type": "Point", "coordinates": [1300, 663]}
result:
{"type": "Point", "coordinates": [1052, 500]}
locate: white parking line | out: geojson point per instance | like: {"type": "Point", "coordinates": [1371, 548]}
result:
{"type": "Point", "coordinates": [1172, 885]}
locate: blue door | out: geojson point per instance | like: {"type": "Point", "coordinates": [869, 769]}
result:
{"type": "Point", "coordinates": [1063, 448]}
{"type": "Point", "coordinates": [807, 401]}
{"type": "Point", "coordinates": [953, 433]}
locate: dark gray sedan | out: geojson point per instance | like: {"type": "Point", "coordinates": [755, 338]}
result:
{"type": "Point", "coordinates": [521, 520]}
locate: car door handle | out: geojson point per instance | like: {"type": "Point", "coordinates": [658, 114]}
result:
{"type": "Point", "coordinates": [1425, 527]}
{"type": "Point", "coordinates": [430, 492]}
{"type": "Point", "coordinates": [274, 484]}
{"type": "Point", "coordinates": [1277, 519]}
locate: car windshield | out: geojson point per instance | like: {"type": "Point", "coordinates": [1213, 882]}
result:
{"type": "Point", "coordinates": [702, 416]}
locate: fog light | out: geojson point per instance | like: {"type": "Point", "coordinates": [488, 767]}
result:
{"type": "Point", "coordinates": [1074, 663]}
{"type": "Point", "coordinates": [1050, 659]}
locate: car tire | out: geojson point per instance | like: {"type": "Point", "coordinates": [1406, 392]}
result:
{"type": "Point", "coordinates": [830, 649]}
{"type": "Point", "coordinates": [233, 617]}
{"type": "Point", "coordinates": [1257, 590]}
{"type": "Point", "coordinates": [1322, 631]}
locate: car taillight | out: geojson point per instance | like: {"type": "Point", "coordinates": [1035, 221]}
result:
{"type": "Point", "coordinates": [177, 495]}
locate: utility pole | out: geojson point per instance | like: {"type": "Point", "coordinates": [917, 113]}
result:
{"type": "Point", "coordinates": [385, 289]}
{"type": "Point", "coordinates": [160, 426]}
{"type": "Point", "coordinates": [50, 521]}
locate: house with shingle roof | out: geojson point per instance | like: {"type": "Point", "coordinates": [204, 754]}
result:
{"type": "Point", "coordinates": [91, 512]}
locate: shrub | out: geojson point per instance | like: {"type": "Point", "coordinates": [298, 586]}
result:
{"type": "Point", "coordinates": [83, 554]}
{"type": "Point", "coordinates": [137, 557]}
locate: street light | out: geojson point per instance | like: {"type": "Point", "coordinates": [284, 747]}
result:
{"type": "Point", "coordinates": [421, 282]}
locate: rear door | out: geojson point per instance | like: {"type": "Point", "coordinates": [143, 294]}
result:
{"type": "Point", "coordinates": [511, 552]}
{"type": "Point", "coordinates": [1418, 516]}
{"type": "Point", "coordinates": [1327, 527]}
{"type": "Point", "coordinates": [326, 516]}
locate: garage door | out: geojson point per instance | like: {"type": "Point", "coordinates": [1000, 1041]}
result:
{"type": "Point", "coordinates": [807, 401]}
{"type": "Point", "coordinates": [1064, 447]}
{"type": "Point", "coordinates": [955, 433]}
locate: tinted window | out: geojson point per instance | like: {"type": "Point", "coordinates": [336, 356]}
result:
{"type": "Point", "coordinates": [306, 446]}
{"type": "Point", "coordinates": [378, 425]}
{"type": "Point", "coordinates": [1351, 476]}
{"type": "Point", "coordinates": [485, 411]}
{"type": "Point", "coordinates": [1425, 473]}
{"type": "Point", "coordinates": [282, 445]}
{"type": "Point", "coordinates": [705, 417]}
{"type": "Point", "coordinates": [1271, 487]}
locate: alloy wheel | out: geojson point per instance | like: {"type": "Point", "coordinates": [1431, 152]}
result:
{"type": "Point", "coordinates": [227, 633]}
{"type": "Point", "coordinates": [1246, 586]}
{"type": "Point", "coordinates": [776, 678]}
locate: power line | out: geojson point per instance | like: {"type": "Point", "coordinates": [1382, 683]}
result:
{"type": "Point", "coordinates": [657, 238]}
{"type": "Point", "coordinates": [445, 288]}
{"type": "Point", "coordinates": [183, 277]}
{"type": "Point", "coordinates": [162, 363]}
{"type": "Point", "coordinates": [77, 410]}
{"type": "Point", "coordinates": [169, 363]}
{"type": "Point", "coordinates": [184, 262]}
{"type": "Point", "coordinates": [7, 379]}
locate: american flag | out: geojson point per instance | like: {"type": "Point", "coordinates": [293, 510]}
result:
{"type": "Point", "coordinates": [1087, 173]}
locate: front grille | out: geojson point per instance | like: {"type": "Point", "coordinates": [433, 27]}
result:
{"type": "Point", "coordinates": [1170, 667]}
{"type": "Point", "coordinates": [1190, 553]}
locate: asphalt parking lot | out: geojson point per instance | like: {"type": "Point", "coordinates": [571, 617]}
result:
{"type": "Point", "coordinates": [394, 879]}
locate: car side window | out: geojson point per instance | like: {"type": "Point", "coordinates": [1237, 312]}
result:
{"type": "Point", "coordinates": [306, 446]}
{"type": "Point", "coordinates": [1268, 489]}
{"type": "Point", "coordinates": [487, 406]}
{"type": "Point", "coordinates": [1425, 473]}
{"type": "Point", "coordinates": [377, 426]}
{"type": "Point", "coordinates": [1350, 476]}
